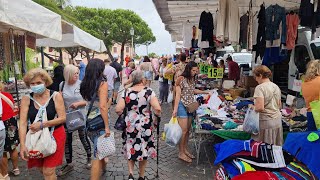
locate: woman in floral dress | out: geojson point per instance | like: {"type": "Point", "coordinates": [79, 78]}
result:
{"type": "Point", "coordinates": [138, 137]}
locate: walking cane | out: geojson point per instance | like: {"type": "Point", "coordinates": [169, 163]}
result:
{"type": "Point", "coordinates": [158, 138]}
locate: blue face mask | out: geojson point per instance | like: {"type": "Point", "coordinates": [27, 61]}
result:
{"type": "Point", "coordinates": [38, 89]}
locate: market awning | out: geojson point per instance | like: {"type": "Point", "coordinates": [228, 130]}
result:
{"type": "Point", "coordinates": [72, 36]}
{"type": "Point", "coordinates": [26, 15]}
{"type": "Point", "coordinates": [175, 12]}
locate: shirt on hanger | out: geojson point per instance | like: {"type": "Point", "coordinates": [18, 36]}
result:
{"type": "Point", "coordinates": [187, 34]}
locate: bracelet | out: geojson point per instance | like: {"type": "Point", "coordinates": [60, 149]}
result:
{"type": "Point", "coordinates": [41, 125]}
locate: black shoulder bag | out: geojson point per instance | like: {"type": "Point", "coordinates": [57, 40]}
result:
{"type": "Point", "coordinates": [97, 122]}
{"type": "Point", "coordinates": [120, 124]}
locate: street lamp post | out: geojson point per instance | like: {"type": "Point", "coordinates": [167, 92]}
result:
{"type": "Point", "coordinates": [132, 34]}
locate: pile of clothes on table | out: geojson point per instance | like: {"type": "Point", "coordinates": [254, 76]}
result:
{"type": "Point", "coordinates": [217, 112]}
{"type": "Point", "coordinates": [249, 159]}
{"type": "Point", "coordinates": [294, 120]}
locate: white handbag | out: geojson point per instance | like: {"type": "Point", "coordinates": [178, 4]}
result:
{"type": "Point", "coordinates": [106, 146]}
{"type": "Point", "coordinates": [41, 144]}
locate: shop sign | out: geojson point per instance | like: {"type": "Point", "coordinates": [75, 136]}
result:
{"type": "Point", "coordinates": [297, 85]}
{"type": "Point", "coordinates": [215, 73]}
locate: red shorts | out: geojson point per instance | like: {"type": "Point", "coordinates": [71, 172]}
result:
{"type": "Point", "coordinates": [55, 159]}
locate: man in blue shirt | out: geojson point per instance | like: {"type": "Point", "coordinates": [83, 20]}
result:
{"type": "Point", "coordinates": [81, 66]}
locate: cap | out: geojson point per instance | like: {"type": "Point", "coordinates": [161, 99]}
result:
{"type": "Point", "coordinates": [115, 56]}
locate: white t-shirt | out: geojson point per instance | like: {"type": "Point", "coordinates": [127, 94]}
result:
{"type": "Point", "coordinates": [111, 74]}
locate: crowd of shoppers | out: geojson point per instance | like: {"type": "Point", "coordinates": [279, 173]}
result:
{"type": "Point", "coordinates": [100, 85]}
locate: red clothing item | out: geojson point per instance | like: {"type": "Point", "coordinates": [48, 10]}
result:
{"type": "Point", "coordinates": [127, 59]}
{"type": "Point", "coordinates": [293, 22]}
{"type": "Point", "coordinates": [254, 175]}
{"type": "Point", "coordinates": [7, 111]}
{"type": "Point", "coordinates": [55, 159]}
{"type": "Point", "coordinates": [234, 70]}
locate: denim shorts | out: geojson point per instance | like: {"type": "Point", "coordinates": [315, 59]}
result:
{"type": "Point", "coordinates": [116, 86]}
{"type": "Point", "coordinates": [148, 75]}
{"type": "Point", "coordinates": [2, 141]}
{"type": "Point", "coordinates": [94, 135]}
{"type": "Point", "coordinates": [110, 94]}
{"type": "Point", "coordinates": [182, 111]}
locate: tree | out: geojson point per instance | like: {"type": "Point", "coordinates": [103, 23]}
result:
{"type": "Point", "coordinates": [152, 55]}
{"type": "Point", "coordinates": [113, 26]}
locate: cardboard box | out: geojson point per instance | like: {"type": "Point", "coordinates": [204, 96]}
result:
{"type": "Point", "coordinates": [236, 92]}
{"type": "Point", "coordinates": [248, 81]}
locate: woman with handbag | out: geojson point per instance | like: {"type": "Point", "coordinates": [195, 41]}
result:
{"type": "Point", "coordinates": [94, 89]}
{"type": "Point", "coordinates": [138, 139]}
{"type": "Point", "coordinates": [267, 102]}
{"type": "Point", "coordinates": [12, 138]}
{"type": "Point", "coordinates": [75, 107]}
{"type": "Point", "coordinates": [163, 82]}
{"type": "Point", "coordinates": [148, 70]}
{"type": "Point", "coordinates": [311, 90]}
{"type": "Point", "coordinates": [38, 79]}
{"type": "Point", "coordinates": [185, 106]}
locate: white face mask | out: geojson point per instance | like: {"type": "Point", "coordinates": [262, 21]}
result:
{"type": "Point", "coordinates": [38, 89]}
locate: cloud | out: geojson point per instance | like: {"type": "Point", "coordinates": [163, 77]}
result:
{"type": "Point", "coordinates": [147, 11]}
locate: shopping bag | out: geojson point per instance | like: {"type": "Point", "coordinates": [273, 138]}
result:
{"type": "Point", "coordinates": [170, 97]}
{"type": "Point", "coordinates": [106, 146]}
{"type": "Point", "coordinates": [315, 109]}
{"type": "Point", "coordinates": [75, 120]}
{"type": "Point", "coordinates": [251, 122]}
{"type": "Point", "coordinates": [41, 144]}
{"type": "Point", "coordinates": [173, 132]}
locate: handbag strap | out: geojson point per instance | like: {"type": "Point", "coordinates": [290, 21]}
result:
{"type": "Point", "coordinates": [93, 99]}
{"type": "Point", "coordinates": [125, 103]}
{"type": "Point", "coordinates": [7, 100]}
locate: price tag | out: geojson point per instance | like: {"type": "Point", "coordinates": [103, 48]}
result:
{"type": "Point", "coordinates": [297, 85]}
{"type": "Point", "coordinates": [204, 68]}
{"type": "Point", "coordinates": [215, 73]}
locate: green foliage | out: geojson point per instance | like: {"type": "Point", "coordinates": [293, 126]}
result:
{"type": "Point", "coordinates": [152, 55]}
{"type": "Point", "coordinates": [55, 6]}
{"type": "Point", "coordinates": [29, 59]}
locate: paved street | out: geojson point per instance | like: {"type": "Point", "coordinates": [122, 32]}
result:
{"type": "Point", "coordinates": [170, 167]}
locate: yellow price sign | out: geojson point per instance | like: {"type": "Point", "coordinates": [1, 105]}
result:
{"type": "Point", "coordinates": [215, 73]}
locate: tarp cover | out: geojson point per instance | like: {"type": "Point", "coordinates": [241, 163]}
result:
{"type": "Point", "coordinates": [73, 36]}
{"type": "Point", "coordinates": [26, 15]}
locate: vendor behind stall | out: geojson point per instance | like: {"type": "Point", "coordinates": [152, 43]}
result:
{"type": "Point", "coordinates": [234, 70]}
{"type": "Point", "coordinates": [268, 103]}
{"type": "Point", "coordinates": [311, 89]}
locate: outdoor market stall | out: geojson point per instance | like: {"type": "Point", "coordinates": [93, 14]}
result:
{"type": "Point", "coordinates": [72, 36]}
{"type": "Point", "coordinates": [21, 22]}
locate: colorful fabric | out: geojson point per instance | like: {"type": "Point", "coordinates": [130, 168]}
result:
{"type": "Point", "coordinates": [12, 135]}
{"type": "Point", "coordinates": [225, 134]}
{"type": "Point", "coordinates": [254, 175]}
{"type": "Point", "coordinates": [307, 152]}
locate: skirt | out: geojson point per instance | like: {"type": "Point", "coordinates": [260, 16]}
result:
{"type": "Point", "coordinates": [55, 159]}
{"type": "Point", "coordinates": [12, 135]}
{"type": "Point", "coordinates": [270, 132]}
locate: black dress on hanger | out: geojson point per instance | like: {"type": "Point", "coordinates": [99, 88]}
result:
{"type": "Point", "coordinates": [206, 25]}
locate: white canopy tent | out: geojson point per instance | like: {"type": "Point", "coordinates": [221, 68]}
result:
{"type": "Point", "coordinates": [73, 36]}
{"type": "Point", "coordinates": [175, 12]}
{"type": "Point", "coordinates": [26, 15]}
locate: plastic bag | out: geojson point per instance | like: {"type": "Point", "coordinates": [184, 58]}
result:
{"type": "Point", "coordinates": [106, 146]}
{"type": "Point", "coordinates": [173, 132]}
{"type": "Point", "coordinates": [315, 106]}
{"type": "Point", "coordinates": [170, 97]}
{"type": "Point", "coordinates": [251, 122]}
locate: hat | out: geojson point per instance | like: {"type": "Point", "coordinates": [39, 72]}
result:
{"type": "Point", "coordinates": [78, 58]}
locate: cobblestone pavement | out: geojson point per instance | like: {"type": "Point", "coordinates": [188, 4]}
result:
{"type": "Point", "coordinates": [170, 167]}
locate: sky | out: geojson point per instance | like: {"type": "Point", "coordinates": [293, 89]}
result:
{"type": "Point", "coordinates": [147, 11]}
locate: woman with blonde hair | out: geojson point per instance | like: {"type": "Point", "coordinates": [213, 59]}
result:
{"type": "Point", "coordinates": [73, 100]}
{"type": "Point", "coordinates": [267, 97]}
{"type": "Point", "coordinates": [311, 89]}
{"type": "Point", "coordinates": [38, 80]}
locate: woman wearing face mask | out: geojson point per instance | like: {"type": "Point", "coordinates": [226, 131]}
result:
{"type": "Point", "coordinates": [185, 91]}
{"type": "Point", "coordinates": [73, 100]}
{"type": "Point", "coordinates": [38, 80]}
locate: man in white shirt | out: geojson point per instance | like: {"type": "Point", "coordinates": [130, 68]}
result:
{"type": "Point", "coordinates": [111, 75]}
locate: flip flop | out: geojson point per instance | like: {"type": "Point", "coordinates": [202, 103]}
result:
{"type": "Point", "coordinates": [190, 155]}
{"type": "Point", "coordinates": [185, 159]}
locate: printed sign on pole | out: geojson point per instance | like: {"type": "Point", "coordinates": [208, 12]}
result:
{"type": "Point", "coordinates": [215, 73]}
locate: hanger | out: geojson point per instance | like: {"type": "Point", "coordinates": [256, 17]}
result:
{"type": "Point", "coordinates": [188, 21]}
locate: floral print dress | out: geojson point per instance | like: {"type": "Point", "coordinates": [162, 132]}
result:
{"type": "Point", "coordinates": [138, 138]}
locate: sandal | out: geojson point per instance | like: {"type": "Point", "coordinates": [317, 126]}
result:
{"type": "Point", "coordinates": [185, 159]}
{"type": "Point", "coordinates": [190, 155]}
{"type": "Point", "coordinates": [16, 172]}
